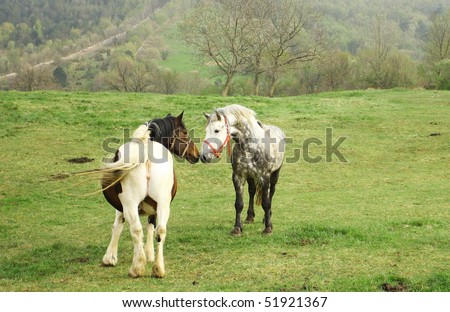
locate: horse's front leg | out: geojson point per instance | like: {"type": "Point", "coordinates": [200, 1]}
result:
{"type": "Point", "coordinates": [238, 204]}
{"type": "Point", "coordinates": [267, 206]}
{"type": "Point", "coordinates": [110, 257]}
{"type": "Point", "coordinates": [251, 192]}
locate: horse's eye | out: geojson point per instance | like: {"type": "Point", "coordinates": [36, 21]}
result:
{"type": "Point", "coordinates": [217, 131]}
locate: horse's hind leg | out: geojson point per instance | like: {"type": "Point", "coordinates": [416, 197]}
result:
{"type": "Point", "coordinates": [149, 249]}
{"type": "Point", "coordinates": [251, 191]}
{"type": "Point", "coordinates": [132, 217]}
{"type": "Point", "coordinates": [273, 181]}
{"type": "Point", "coordinates": [267, 206]}
{"type": "Point", "coordinates": [163, 213]}
{"type": "Point", "coordinates": [110, 257]}
{"type": "Point", "coordinates": [267, 195]}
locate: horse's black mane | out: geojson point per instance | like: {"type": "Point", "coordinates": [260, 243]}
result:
{"type": "Point", "coordinates": [162, 128]}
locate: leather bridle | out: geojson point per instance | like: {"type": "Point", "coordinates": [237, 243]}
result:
{"type": "Point", "coordinates": [175, 138]}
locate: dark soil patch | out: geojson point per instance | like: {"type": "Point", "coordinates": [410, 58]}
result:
{"type": "Point", "coordinates": [435, 134]}
{"type": "Point", "coordinates": [80, 160]}
{"type": "Point", "coordinates": [394, 287]}
{"type": "Point", "coordinates": [59, 176]}
{"type": "Point", "coordinates": [79, 260]}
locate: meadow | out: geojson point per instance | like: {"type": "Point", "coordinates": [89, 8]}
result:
{"type": "Point", "coordinates": [378, 221]}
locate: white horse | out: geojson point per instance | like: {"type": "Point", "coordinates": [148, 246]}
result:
{"type": "Point", "coordinates": [140, 177]}
{"type": "Point", "coordinates": [141, 180]}
{"type": "Point", "coordinates": [257, 157]}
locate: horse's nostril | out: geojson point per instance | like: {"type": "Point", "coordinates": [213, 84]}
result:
{"type": "Point", "coordinates": [203, 158]}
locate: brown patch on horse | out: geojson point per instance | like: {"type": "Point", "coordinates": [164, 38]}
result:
{"type": "Point", "coordinates": [150, 201]}
{"type": "Point", "coordinates": [112, 193]}
{"type": "Point", "coordinates": [175, 185]}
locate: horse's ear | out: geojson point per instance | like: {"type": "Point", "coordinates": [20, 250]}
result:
{"type": "Point", "coordinates": [218, 116]}
{"type": "Point", "coordinates": [180, 117]}
{"type": "Point", "coordinates": [169, 115]}
{"type": "Point", "coordinates": [206, 115]}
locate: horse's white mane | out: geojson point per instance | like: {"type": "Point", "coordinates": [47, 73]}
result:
{"type": "Point", "coordinates": [141, 133]}
{"type": "Point", "coordinates": [240, 112]}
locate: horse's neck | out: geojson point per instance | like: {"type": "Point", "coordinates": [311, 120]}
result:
{"type": "Point", "coordinates": [248, 130]}
{"type": "Point", "coordinates": [163, 130]}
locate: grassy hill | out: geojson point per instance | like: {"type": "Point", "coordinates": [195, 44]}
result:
{"type": "Point", "coordinates": [41, 31]}
{"type": "Point", "coordinates": [379, 221]}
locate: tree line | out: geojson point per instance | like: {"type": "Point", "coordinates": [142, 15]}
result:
{"type": "Point", "coordinates": [283, 41]}
{"type": "Point", "coordinates": [254, 47]}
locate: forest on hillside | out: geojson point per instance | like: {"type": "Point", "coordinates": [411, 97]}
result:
{"type": "Point", "coordinates": [156, 57]}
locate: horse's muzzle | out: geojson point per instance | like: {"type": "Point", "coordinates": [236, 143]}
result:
{"type": "Point", "coordinates": [192, 159]}
{"type": "Point", "coordinates": [204, 159]}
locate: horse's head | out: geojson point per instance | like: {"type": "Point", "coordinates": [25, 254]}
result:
{"type": "Point", "coordinates": [217, 136]}
{"type": "Point", "coordinates": [180, 143]}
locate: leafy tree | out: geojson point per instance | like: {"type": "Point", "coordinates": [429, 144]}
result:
{"type": "Point", "coordinates": [335, 69]}
{"type": "Point", "coordinates": [37, 34]}
{"type": "Point", "coordinates": [6, 30]}
{"type": "Point", "coordinates": [60, 76]}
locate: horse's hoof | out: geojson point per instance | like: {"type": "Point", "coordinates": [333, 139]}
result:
{"type": "Point", "coordinates": [109, 261]}
{"type": "Point", "coordinates": [135, 273]}
{"type": "Point", "coordinates": [267, 230]}
{"type": "Point", "coordinates": [236, 232]}
{"type": "Point", "coordinates": [157, 272]}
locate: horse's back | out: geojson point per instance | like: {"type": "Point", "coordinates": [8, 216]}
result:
{"type": "Point", "coordinates": [277, 146]}
{"type": "Point", "coordinates": [160, 172]}
{"type": "Point", "coordinates": [275, 132]}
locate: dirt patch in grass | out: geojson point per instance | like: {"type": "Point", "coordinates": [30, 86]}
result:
{"type": "Point", "coordinates": [400, 287]}
{"type": "Point", "coordinates": [59, 176]}
{"type": "Point", "coordinates": [80, 160]}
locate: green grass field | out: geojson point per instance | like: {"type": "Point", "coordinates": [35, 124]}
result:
{"type": "Point", "coordinates": [380, 221]}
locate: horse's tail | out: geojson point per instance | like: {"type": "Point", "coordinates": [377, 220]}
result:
{"type": "Point", "coordinates": [128, 157]}
{"type": "Point", "coordinates": [258, 194]}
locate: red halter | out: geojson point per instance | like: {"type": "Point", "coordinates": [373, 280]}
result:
{"type": "Point", "coordinates": [217, 152]}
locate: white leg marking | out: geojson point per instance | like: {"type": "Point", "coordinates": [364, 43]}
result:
{"type": "Point", "coordinates": [158, 269]}
{"type": "Point", "coordinates": [110, 257]}
{"type": "Point", "coordinates": [132, 217]}
{"type": "Point", "coordinates": [149, 249]}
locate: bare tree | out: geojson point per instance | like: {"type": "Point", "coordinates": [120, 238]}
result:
{"type": "Point", "coordinates": [293, 38]}
{"type": "Point", "coordinates": [219, 31]}
{"type": "Point", "coordinates": [438, 50]}
{"type": "Point", "coordinates": [140, 77]}
{"type": "Point", "coordinates": [31, 78]}
{"type": "Point", "coordinates": [335, 69]}
{"type": "Point", "coordinates": [439, 38]}
{"type": "Point", "coordinates": [378, 56]}
{"type": "Point", "coordinates": [120, 74]}
{"type": "Point", "coordinates": [129, 75]}
{"type": "Point", "coordinates": [255, 58]}
{"type": "Point", "coordinates": [253, 36]}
